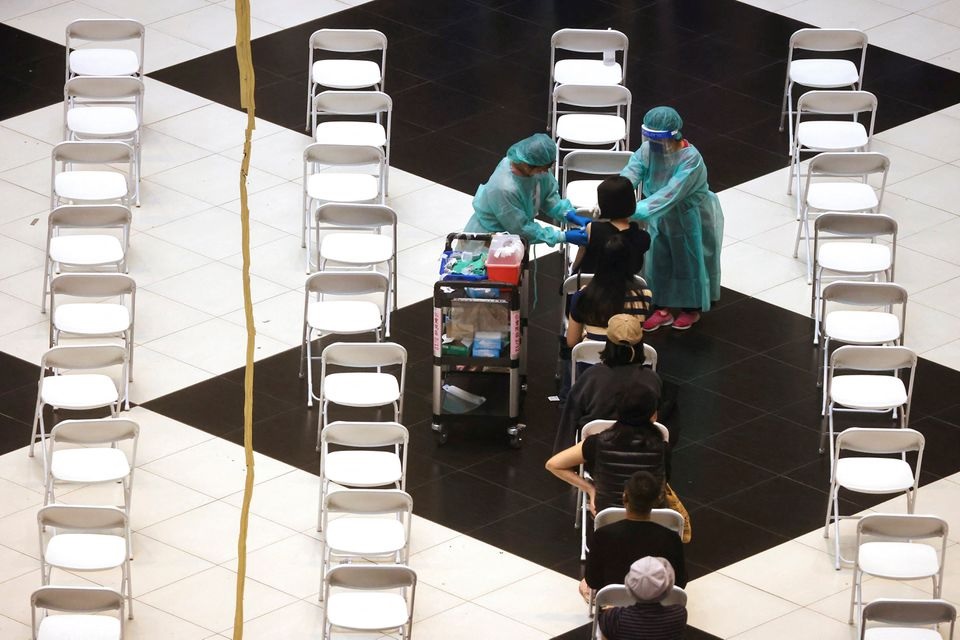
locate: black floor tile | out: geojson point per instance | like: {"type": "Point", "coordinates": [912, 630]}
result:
{"type": "Point", "coordinates": [523, 471]}
{"type": "Point", "coordinates": [942, 441]}
{"type": "Point", "coordinates": [466, 503]}
{"type": "Point", "coordinates": [522, 534]}
{"type": "Point", "coordinates": [706, 475]}
{"type": "Point", "coordinates": [496, 32]}
{"type": "Point", "coordinates": [770, 442]}
{"type": "Point", "coordinates": [552, 15]}
{"type": "Point", "coordinates": [16, 373]}
{"type": "Point", "coordinates": [757, 325]}
{"type": "Point", "coordinates": [700, 414]}
{"type": "Point", "coordinates": [432, 107]}
{"type": "Point", "coordinates": [712, 60]}
{"type": "Point", "coordinates": [758, 381]}
{"type": "Point", "coordinates": [684, 355]}
{"type": "Point", "coordinates": [430, 57]}
{"type": "Point", "coordinates": [427, 15]}
{"type": "Point", "coordinates": [720, 539]}
{"type": "Point", "coordinates": [441, 155]}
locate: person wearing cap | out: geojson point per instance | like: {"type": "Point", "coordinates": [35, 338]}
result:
{"type": "Point", "coordinates": [650, 580]}
{"type": "Point", "coordinates": [615, 546]}
{"type": "Point", "coordinates": [616, 202]}
{"type": "Point", "coordinates": [683, 218]}
{"type": "Point", "coordinates": [521, 186]}
{"type": "Point", "coordinates": [600, 389]}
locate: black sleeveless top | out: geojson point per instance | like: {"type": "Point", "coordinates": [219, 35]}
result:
{"type": "Point", "coordinates": [635, 238]}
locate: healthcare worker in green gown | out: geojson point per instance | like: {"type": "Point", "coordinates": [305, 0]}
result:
{"type": "Point", "coordinates": [521, 186]}
{"type": "Point", "coordinates": [683, 218]}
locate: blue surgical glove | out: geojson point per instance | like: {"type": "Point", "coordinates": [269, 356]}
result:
{"type": "Point", "coordinates": [575, 236]}
{"type": "Point", "coordinates": [577, 220]}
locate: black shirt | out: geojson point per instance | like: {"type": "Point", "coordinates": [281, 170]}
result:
{"type": "Point", "coordinates": [618, 545]}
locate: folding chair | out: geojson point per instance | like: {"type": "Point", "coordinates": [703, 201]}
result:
{"type": "Point", "coordinates": [350, 312]}
{"type": "Point", "coordinates": [365, 598]}
{"type": "Point", "coordinates": [847, 246]}
{"type": "Point", "coordinates": [71, 186]}
{"type": "Point", "coordinates": [340, 173]}
{"type": "Point", "coordinates": [872, 475]}
{"type": "Point", "coordinates": [345, 73]}
{"type": "Point", "coordinates": [600, 118]}
{"type": "Point", "coordinates": [588, 352]}
{"type": "Point", "coordinates": [82, 604]}
{"type": "Point", "coordinates": [607, 65]}
{"type": "Point", "coordinates": [869, 391]}
{"type": "Point", "coordinates": [105, 108]}
{"type": "Point", "coordinates": [101, 319]}
{"type": "Point", "coordinates": [899, 555]}
{"type": "Point", "coordinates": [375, 133]}
{"type": "Point", "coordinates": [851, 326]}
{"type": "Point", "coordinates": [94, 457]}
{"type": "Point", "coordinates": [81, 540]}
{"type": "Point", "coordinates": [112, 61]}
{"type": "Point", "coordinates": [817, 135]}
{"type": "Point", "coordinates": [901, 619]}
{"type": "Point", "coordinates": [582, 194]}
{"type": "Point", "coordinates": [85, 251]}
{"type": "Point", "coordinates": [373, 524]}
{"type": "Point", "coordinates": [354, 238]}
{"type": "Point", "coordinates": [668, 518]}
{"type": "Point", "coordinates": [617, 595]}
{"type": "Point", "coordinates": [822, 73]}
{"type": "Point", "coordinates": [70, 388]}
{"type": "Point", "coordinates": [829, 187]}
{"type": "Point", "coordinates": [357, 464]}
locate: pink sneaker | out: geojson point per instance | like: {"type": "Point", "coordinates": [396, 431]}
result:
{"type": "Point", "coordinates": [686, 319]}
{"type": "Point", "coordinates": [660, 318]}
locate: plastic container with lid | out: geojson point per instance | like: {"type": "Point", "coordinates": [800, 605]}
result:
{"type": "Point", "coordinates": [504, 258]}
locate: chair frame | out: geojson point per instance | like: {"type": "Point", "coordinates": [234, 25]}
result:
{"type": "Point", "coordinates": [902, 528]}
{"type": "Point", "coordinates": [617, 595]}
{"type": "Point", "coordinates": [874, 442]}
{"type": "Point", "coordinates": [366, 578]}
{"type": "Point", "coordinates": [95, 152]}
{"type": "Point", "coordinates": [588, 351]}
{"type": "Point", "coordinates": [615, 101]}
{"type": "Point", "coordinates": [76, 600]}
{"type": "Point", "coordinates": [344, 41]}
{"type": "Point", "coordinates": [339, 283]}
{"type": "Point", "coordinates": [907, 613]}
{"type": "Point", "coordinates": [602, 41]}
{"type": "Point", "coordinates": [105, 30]}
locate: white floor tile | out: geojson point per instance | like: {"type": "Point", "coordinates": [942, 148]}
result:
{"type": "Point", "coordinates": [547, 601]}
{"type": "Point", "coordinates": [14, 598]}
{"type": "Point", "coordinates": [28, 343]}
{"type": "Point", "coordinates": [746, 215]}
{"type": "Point", "coordinates": [855, 14]}
{"type": "Point", "coordinates": [152, 260]}
{"type": "Point", "coordinates": [14, 564]}
{"type": "Point", "coordinates": [290, 499]}
{"type": "Point", "coordinates": [725, 607]}
{"type": "Point", "coordinates": [213, 179]}
{"type": "Point", "coordinates": [948, 60]}
{"type": "Point", "coordinates": [20, 469]}
{"type": "Point", "coordinates": [144, 10]}
{"type": "Point", "coordinates": [403, 182]}
{"type": "Point", "coordinates": [281, 261]}
{"type": "Point", "coordinates": [158, 316]}
{"type": "Point", "coordinates": [939, 242]}
{"type": "Point", "coordinates": [942, 297]}
{"type": "Point", "coordinates": [162, 152]}
{"type": "Point", "coordinates": [411, 291]}
{"type": "Point", "coordinates": [903, 162]}
{"type": "Point", "coordinates": [17, 498]}
{"type": "Point", "coordinates": [934, 135]}
{"type": "Point", "coordinates": [279, 318]}
{"type": "Point", "coordinates": [797, 624]}
{"type": "Point", "coordinates": [44, 124]}
{"type": "Point", "coordinates": [166, 101]}
{"type": "Point", "coordinates": [947, 354]}
{"type": "Point", "coordinates": [739, 268]}
{"type": "Point", "coordinates": [463, 623]}
{"type": "Point", "coordinates": [482, 568]}
{"type": "Point", "coordinates": [301, 620]}
{"type": "Point", "coordinates": [916, 271]}
{"type": "Point", "coordinates": [279, 153]}
{"type": "Point", "coordinates": [291, 565]}
{"type": "Point", "coordinates": [948, 12]}
{"type": "Point", "coordinates": [17, 314]}
{"type": "Point", "coordinates": [214, 288]}
{"type": "Point", "coordinates": [19, 149]}
{"type": "Point", "coordinates": [280, 206]}
{"type": "Point", "coordinates": [214, 127]}
{"type": "Point", "coordinates": [215, 467]}
{"type": "Point", "coordinates": [51, 23]}
{"type": "Point", "coordinates": [425, 534]}
{"type": "Point", "coordinates": [157, 374]}
{"type": "Point", "coordinates": [433, 207]}
{"type": "Point", "coordinates": [162, 50]}
{"type": "Point", "coordinates": [431, 601]}
{"type": "Point", "coordinates": [21, 205]}
{"type": "Point", "coordinates": [161, 436]}
{"type": "Point", "coordinates": [900, 35]}
{"type": "Point", "coordinates": [913, 216]}
{"type": "Point", "coordinates": [153, 624]}
{"type": "Point", "coordinates": [212, 27]}
{"type": "Point", "coordinates": [10, 628]}
{"type": "Point", "coordinates": [837, 606]}
{"type": "Point", "coordinates": [161, 205]}
{"type": "Point", "coordinates": [214, 233]}
{"type": "Point", "coordinates": [158, 564]}
{"type": "Point", "coordinates": [207, 599]}
{"type": "Point", "coordinates": [289, 13]}
{"type": "Point", "coordinates": [422, 262]}
{"type": "Point", "coordinates": [14, 8]}
{"type": "Point", "coordinates": [793, 295]}
{"type": "Point", "coordinates": [929, 328]}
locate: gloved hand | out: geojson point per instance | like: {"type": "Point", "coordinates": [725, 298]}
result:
{"type": "Point", "coordinates": [575, 236]}
{"type": "Point", "coordinates": [577, 220]}
{"type": "Point", "coordinates": [595, 211]}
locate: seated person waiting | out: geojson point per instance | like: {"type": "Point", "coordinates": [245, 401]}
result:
{"type": "Point", "coordinates": [650, 580]}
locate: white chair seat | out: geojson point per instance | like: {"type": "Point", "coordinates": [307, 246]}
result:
{"type": "Point", "coordinates": [854, 257]}
{"type": "Point", "coordinates": [343, 316]}
{"type": "Point", "coordinates": [93, 464]}
{"type": "Point", "coordinates": [368, 611]}
{"type": "Point", "coordinates": [582, 194]}
{"type": "Point", "coordinates": [363, 468]}
{"type": "Point", "coordinates": [868, 392]}
{"type": "Point", "coordinates": [898, 560]}
{"type": "Point", "coordinates": [342, 187]}
{"type": "Point", "coordinates": [86, 551]}
{"type": "Point", "coordinates": [901, 633]}
{"type": "Point", "coordinates": [365, 536]}
{"type": "Point", "coordinates": [841, 196]}
{"type": "Point", "coordinates": [361, 389]}
{"type": "Point", "coordinates": [575, 71]}
{"type": "Point", "coordinates": [874, 475]}
{"type": "Point", "coordinates": [79, 391]}
{"type": "Point", "coordinates": [97, 122]}
{"type": "Point", "coordinates": [831, 135]}
{"type": "Point", "coordinates": [822, 73]}
{"type": "Point", "coordinates": [356, 248]}
{"type": "Point", "coordinates": [104, 62]}
{"type": "Point", "coordinates": [366, 133]}
{"type": "Point", "coordinates": [588, 128]}
{"type": "Point", "coordinates": [90, 186]}
{"type": "Point", "coordinates": [79, 627]}
{"type": "Point", "coordinates": [346, 74]}
{"type": "Point", "coordinates": [92, 318]}
{"type": "Point", "coordinates": [862, 327]}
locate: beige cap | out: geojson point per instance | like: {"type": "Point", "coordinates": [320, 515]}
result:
{"type": "Point", "coordinates": [624, 328]}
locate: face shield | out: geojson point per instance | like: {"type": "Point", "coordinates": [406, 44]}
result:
{"type": "Point", "coordinates": [657, 137]}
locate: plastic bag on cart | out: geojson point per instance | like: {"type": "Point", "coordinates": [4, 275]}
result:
{"type": "Point", "coordinates": [467, 320]}
{"type": "Point", "coordinates": [463, 265]}
{"type": "Point", "coordinates": [457, 400]}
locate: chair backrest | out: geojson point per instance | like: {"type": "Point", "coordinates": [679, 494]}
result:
{"type": "Point", "coordinates": [365, 434]}
{"type": "Point", "coordinates": [363, 354]}
{"type": "Point", "coordinates": [347, 283]}
{"type": "Point", "coordinates": [103, 88]}
{"type": "Point", "coordinates": [902, 526]}
{"type": "Point", "coordinates": [104, 30]}
{"type": "Point", "coordinates": [617, 595]}
{"type": "Point", "coordinates": [353, 103]}
{"type": "Point", "coordinates": [93, 152]}
{"type": "Point", "coordinates": [93, 285]}
{"type": "Point", "coordinates": [342, 155]}
{"type": "Point", "coordinates": [78, 357]}
{"type": "Point", "coordinates": [593, 162]}
{"type": "Point", "coordinates": [835, 103]}
{"type": "Point", "coordinates": [587, 351]}
{"type": "Point", "coordinates": [590, 40]}
{"type": "Point", "coordinates": [577, 281]}
{"type": "Point", "coordinates": [372, 577]}
{"type": "Point", "coordinates": [856, 225]}
{"type": "Point", "coordinates": [596, 96]}
{"type": "Point", "coordinates": [356, 216]}
{"type": "Point", "coordinates": [369, 502]}
{"type": "Point", "coordinates": [873, 358]}
{"type": "Point", "coordinates": [95, 432]}
{"type": "Point", "coordinates": [650, 356]}
{"type": "Point", "coordinates": [348, 40]}
{"type": "Point", "coordinates": [89, 216]}
{"type": "Point", "coordinates": [609, 516]}
{"type": "Point", "coordinates": [848, 164]}
{"type": "Point", "coordinates": [594, 427]}
{"type": "Point", "coordinates": [828, 40]}
{"type": "Point", "coordinates": [872, 294]}
{"type": "Point", "coordinates": [668, 518]}
{"type": "Point", "coordinates": [880, 441]}
{"type": "Point", "coordinates": [81, 517]}
{"type": "Point", "coordinates": [908, 613]}
{"type": "Point", "coordinates": [77, 599]}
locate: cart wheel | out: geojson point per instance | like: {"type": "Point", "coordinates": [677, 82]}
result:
{"type": "Point", "coordinates": [516, 439]}
{"type": "Point", "coordinates": [441, 434]}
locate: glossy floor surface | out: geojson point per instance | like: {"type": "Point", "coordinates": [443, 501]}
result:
{"type": "Point", "coordinates": [494, 541]}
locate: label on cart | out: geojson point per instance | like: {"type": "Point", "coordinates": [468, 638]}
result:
{"type": "Point", "coordinates": [437, 331]}
{"type": "Point", "coordinates": [514, 335]}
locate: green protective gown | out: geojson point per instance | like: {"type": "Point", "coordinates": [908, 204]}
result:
{"type": "Point", "coordinates": [685, 223]}
{"type": "Point", "coordinates": [508, 202]}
